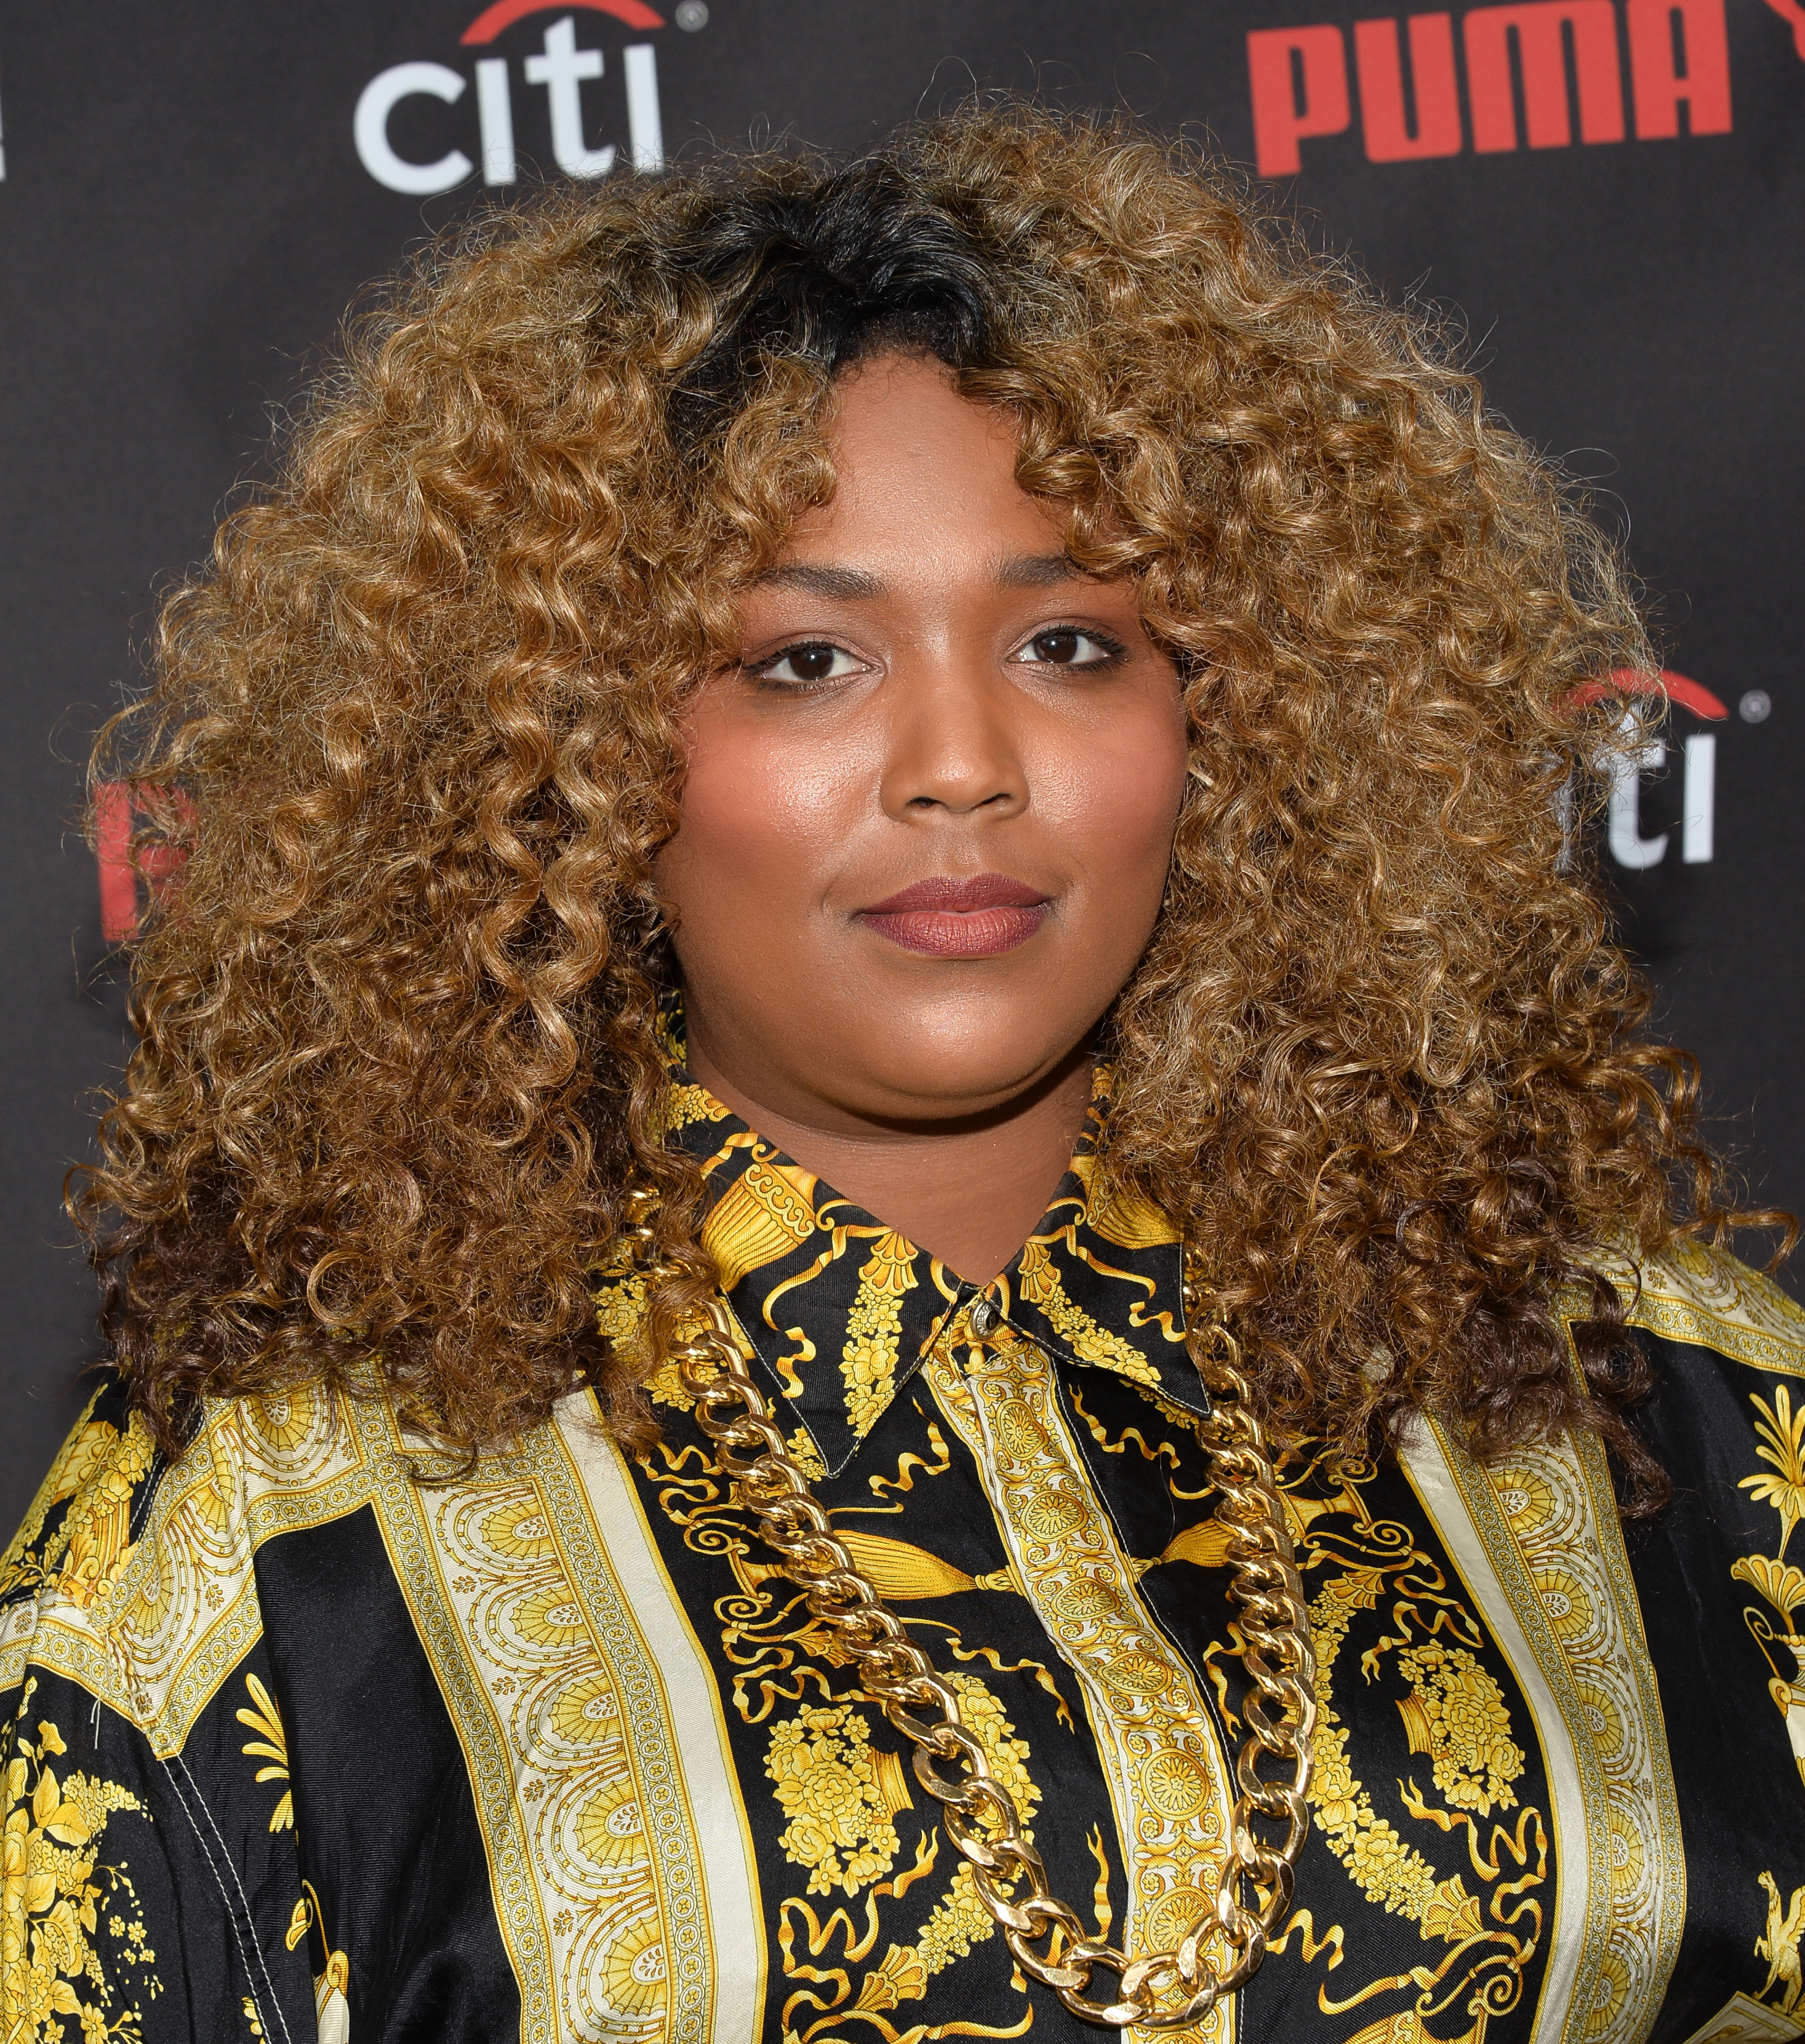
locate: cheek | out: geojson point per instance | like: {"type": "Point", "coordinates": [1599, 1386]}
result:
{"type": "Point", "coordinates": [757, 815]}
{"type": "Point", "coordinates": [1122, 786]}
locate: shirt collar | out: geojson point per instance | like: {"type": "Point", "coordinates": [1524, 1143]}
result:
{"type": "Point", "coordinates": [841, 1311]}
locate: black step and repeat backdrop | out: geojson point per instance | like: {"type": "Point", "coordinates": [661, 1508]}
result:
{"type": "Point", "coordinates": [1607, 195]}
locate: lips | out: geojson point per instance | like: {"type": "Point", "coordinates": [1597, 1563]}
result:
{"type": "Point", "coordinates": [981, 917]}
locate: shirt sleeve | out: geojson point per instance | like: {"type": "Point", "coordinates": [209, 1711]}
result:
{"type": "Point", "coordinates": [151, 1890]}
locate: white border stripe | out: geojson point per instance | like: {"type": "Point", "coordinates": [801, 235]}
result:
{"type": "Point", "coordinates": [1433, 1482]}
{"type": "Point", "coordinates": [731, 1899]}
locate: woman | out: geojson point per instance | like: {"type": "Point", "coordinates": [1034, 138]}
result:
{"type": "Point", "coordinates": [879, 1123]}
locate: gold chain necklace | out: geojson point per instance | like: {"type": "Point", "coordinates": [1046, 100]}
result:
{"type": "Point", "coordinates": [1224, 1947]}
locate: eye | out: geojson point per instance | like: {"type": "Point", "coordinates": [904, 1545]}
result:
{"type": "Point", "coordinates": [1065, 646]}
{"type": "Point", "coordinates": [806, 666]}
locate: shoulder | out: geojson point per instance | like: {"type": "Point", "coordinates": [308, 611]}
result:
{"type": "Point", "coordinates": [79, 1527]}
{"type": "Point", "coordinates": [110, 1493]}
{"type": "Point", "coordinates": [133, 1574]}
{"type": "Point", "coordinates": [1698, 1297]}
{"type": "Point", "coordinates": [1728, 1349]}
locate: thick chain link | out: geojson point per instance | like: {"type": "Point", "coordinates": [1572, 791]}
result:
{"type": "Point", "coordinates": [1224, 1948]}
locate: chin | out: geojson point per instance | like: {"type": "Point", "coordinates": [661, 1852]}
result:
{"type": "Point", "coordinates": [941, 1079]}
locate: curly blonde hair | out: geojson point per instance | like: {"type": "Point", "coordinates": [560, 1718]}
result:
{"type": "Point", "coordinates": [417, 734]}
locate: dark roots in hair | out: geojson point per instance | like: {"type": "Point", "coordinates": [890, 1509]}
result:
{"type": "Point", "coordinates": [417, 735]}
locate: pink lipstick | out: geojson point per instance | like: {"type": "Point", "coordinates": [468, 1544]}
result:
{"type": "Point", "coordinates": [981, 917]}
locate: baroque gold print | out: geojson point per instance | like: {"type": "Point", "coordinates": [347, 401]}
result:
{"type": "Point", "coordinates": [1699, 1294]}
{"type": "Point", "coordinates": [839, 1793]}
{"type": "Point", "coordinates": [1785, 1987]}
{"type": "Point", "coordinates": [1454, 1715]}
{"type": "Point", "coordinates": [53, 1892]}
{"type": "Point", "coordinates": [842, 1797]}
{"type": "Point", "coordinates": [575, 1784]}
{"type": "Point", "coordinates": [769, 1214]}
{"type": "Point", "coordinates": [779, 1653]}
{"type": "Point", "coordinates": [567, 1730]}
{"type": "Point", "coordinates": [874, 1328]}
{"type": "Point", "coordinates": [152, 1626]}
{"type": "Point", "coordinates": [760, 1218]}
{"type": "Point", "coordinates": [1118, 1214]}
{"type": "Point", "coordinates": [97, 1469]}
{"type": "Point", "coordinates": [1559, 1523]}
{"type": "Point", "coordinates": [853, 1785]}
{"type": "Point", "coordinates": [766, 1212]}
{"type": "Point", "coordinates": [88, 1443]}
{"type": "Point", "coordinates": [271, 1746]}
{"type": "Point", "coordinates": [1779, 1630]}
{"type": "Point", "coordinates": [332, 1985]}
{"type": "Point", "coordinates": [1038, 1283]}
{"type": "Point", "coordinates": [1546, 1519]}
{"type": "Point", "coordinates": [1167, 1773]}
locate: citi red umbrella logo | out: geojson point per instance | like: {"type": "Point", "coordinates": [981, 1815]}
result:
{"type": "Point", "coordinates": [569, 68]}
{"type": "Point", "coordinates": [1630, 846]}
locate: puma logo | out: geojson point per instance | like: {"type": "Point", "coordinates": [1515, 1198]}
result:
{"type": "Point", "coordinates": [1791, 13]}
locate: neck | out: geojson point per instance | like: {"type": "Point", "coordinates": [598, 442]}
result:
{"type": "Point", "coordinates": [969, 1191]}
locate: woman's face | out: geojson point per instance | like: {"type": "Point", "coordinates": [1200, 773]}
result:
{"type": "Point", "coordinates": [927, 820]}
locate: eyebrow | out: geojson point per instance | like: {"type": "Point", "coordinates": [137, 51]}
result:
{"type": "Point", "coordinates": [857, 585]}
{"type": "Point", "coordinates": [1039, 571]}
{"type": "Point", "coordinates": [819, 579]}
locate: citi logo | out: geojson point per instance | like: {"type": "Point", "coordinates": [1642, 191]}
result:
{"type": "Point", "coordinates": [1629, 846]}
{"type": "Point", "coordinates": [560, 67]}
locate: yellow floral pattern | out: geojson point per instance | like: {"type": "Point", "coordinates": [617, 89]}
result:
{"type": "Point", "coordinates": [874, 1330]}
{"type": "Point", "coordinates": [1779, 1630]}
{"type": "Point", "coordinates": [1037, 1283]}
{"type": "Point", "coordinates": [55, 1888]}
{"type": "Point", "coordinates": [97, 1473]}
{"type": "Point", "coordinates": [1387, 1869]}
{"type": "Point", "coordinates": [1456, 1714]}
{"type": "Point", "coordinates": [840, 1795]}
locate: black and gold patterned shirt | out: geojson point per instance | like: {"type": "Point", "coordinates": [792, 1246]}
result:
{"type": "Point", "coordinates": [299, 1745]}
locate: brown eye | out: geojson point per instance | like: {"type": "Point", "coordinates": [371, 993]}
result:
{"type": "Point", "coordinates": [805, 666]}
{"type": "Point", "coordinates": [812, 663]}
{"type": "Point", "coordinates": [1065, 646]}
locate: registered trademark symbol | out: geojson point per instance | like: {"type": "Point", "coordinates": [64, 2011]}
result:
{"type": "Point", "coordinates": [1756, 707]}
{"type": "Point", "coordinates": [692, 14]}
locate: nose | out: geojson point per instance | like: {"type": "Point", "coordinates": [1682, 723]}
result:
{"type": "Point", "coordinates": [954, 745]}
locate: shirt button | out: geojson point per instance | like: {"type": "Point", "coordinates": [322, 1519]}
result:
{"type": "Point", "coordinates": [984, 1316]}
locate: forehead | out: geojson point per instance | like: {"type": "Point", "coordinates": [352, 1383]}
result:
{"type": "Point", "coordinates": [918, 468]}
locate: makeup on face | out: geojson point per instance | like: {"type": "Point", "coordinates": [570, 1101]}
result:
{"type": "Point", "coordinates": [929, 803]}
{"type": "Point", "coordinates": [942, 917]}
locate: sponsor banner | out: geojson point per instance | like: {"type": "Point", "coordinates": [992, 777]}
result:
{"type": "Point", "coordinates": [1599, 198]}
